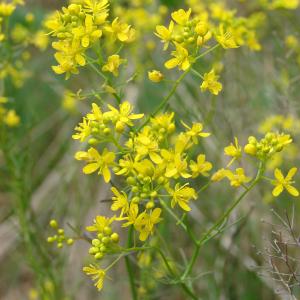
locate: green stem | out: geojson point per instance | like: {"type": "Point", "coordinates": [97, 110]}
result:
{"type": "Point", "coordinates": [129, 267]}
{"type": "Point", "coordinates": [185, 288]}
{"type": "Point", "coordinates": [106, 79]}
{"type": "Point", "coordinates": [208, 235]}
{"type": "Point", "coordinates": [174, 88]}
{"type": "Point", "coordinates": [179, 221]}
{"type": "Point", "coordinates": [197, 73]}
{"type": "Point", "coordinates": [166, 99]}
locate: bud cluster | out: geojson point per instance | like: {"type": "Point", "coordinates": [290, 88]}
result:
{"type": "Point", "coordinates": [59, 237]}
{"type": "Point", "coordinates": [269, 145]}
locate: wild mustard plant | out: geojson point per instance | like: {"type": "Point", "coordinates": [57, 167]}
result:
{"type": "Point", "coordinates": [152, 161]}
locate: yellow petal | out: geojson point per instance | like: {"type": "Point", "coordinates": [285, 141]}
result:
{"type": "Point", "coordinates": [106, 174]}
{"type": "Point", "coordinates": [291, 173]}
{"type": "Point", "coordinates": [278, 175]}
{"type": "Point", "coordinates": [277, 190]}
{"type": "Point", "coordinates": [172, 63]}
{"type": "Point", "coordinates": [90, 168]}
{"type": "Point", "coordinates": [171, 172]}
{"type": "Point", "coordinates": [184, 205]}
{"type": "Point", "coordinates": [155, 158]}
{"type": "Point", "coordinates": [292, 190]}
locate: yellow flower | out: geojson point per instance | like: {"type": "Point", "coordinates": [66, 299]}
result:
{"type": "Point", "coordinates": [88, 33]}
{"type": "Point", "coordinates": [11, 119]}
{"type": "Point", "coordinates": [121, 31]}
{"type": "Point", "coordinates": [235, 151]}
{"type": "Point", "coordinates": [195, 131]}
{"type": "Point", "coordinates": [96, 114]}
{"type": "Point", "coordinates": [98, 9]}
{"type": "Point", "coordinates": [100, 222]}
{"type": "Point", "coordinates": [200, 167]}
{"type": "Point", "coordinates": [165, 34]}
{"type": "Point", "coordinates": [96, 274]}
{"type": "Point", "coordinates": [181, 59]}
{"type": "Point", "coordinates": [67, 64]}
{"type": "Point", "coordinates": [113, 64]}
{"type": "Point", "coordinates": [146, 144]}
{"type": "Point", "coordinates": [131, 215]}
{"type": "Point", "coordinates": [155, 76]}
{"type": "Point", "coordinates": [291, 42]}
{"type": "Point", "coordinates": [145, 223]}
{"type": "Point", "coordinates": [282, 182]}
{"type": "Point", "coordinates": [176, 166]}
{"type": "Point", "coordinates": [238, 178]}
{"type": "Point", "coordinates": [226, 38]}
{"type": "Point", "coordinates": [210, 82]}
{"type": "Point", "coordinates": [119, 201]}
{"type": "Point", "coordinates": [84, 130]}
{"type": "Point", "coordinates": [40, 40]}
{"type": "Point", "coordinates": [219, 175]}
{"type": "Point", "coordinates": [123, 116]}
{"type": "Point", "coordinates": [181, 17]}
{"type": "Point", "coordinates": [97, 161]}
{"type": "Point", "coordinates": [69, 101]}
{"type": "Point", "coordinates": [6, 9]}
{"type": "Point", "coordinates": [182, 195]}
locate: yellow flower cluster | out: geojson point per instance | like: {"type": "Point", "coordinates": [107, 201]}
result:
{"type": "Point", "coordinates": [152, 162]}
{"type": "Point", "coordinates": [271, 144]}
{"type": "Point", "coordinates": [106, 240]}
{"type": "Point", "coordinates": [264, 150]}
{"type": "Point", "coordinates": [79, 27]}
{"type": "Point", "coordinates": [189, 33]}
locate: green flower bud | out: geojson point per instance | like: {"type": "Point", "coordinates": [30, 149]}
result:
{"type": "Point", "coordinates": [250, 149]}
{"type": "Point", "coordinates": [93, 250]}
{"type": "Point", "coordinates": [114, 237]}
{"type": "Point", "coordinates": [70, 242]}
{"type": "Point", "coordinates": [107, 230]}
{"type": "Point", "coordinates": [95, 242]}
{"type": "Point", "coordinates": [150, 205]}
{"type": "Point", "coordinates": [53, 224]}
{"type": "Point", "coordinates": [61, 231]}
{"type": "Point", "coordinates": [50, 239]}
{"type": "Point", "coordinates": [99, 255]}
{"type": "Point", "coordinates": [105, 240]}
{"type": "Point", "coordinates": [130, 180]}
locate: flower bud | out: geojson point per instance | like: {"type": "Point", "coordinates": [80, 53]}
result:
{"type": "Point", "coordinates": [155, 76]}
{"type": "Point", "coordinates": [250, 149]}
{"type": "Point", "coordinates": [53, 224]}
{"type": "Point", "coordinates": [120, 126]}
{"type": "Point", "coordinates": [114, 237]}
{"type": "Point", "coordinates": [150, 205]}
{"type": "Point", "coordinates": [202, 28]}
{"type": "Point", "coordinates": [107, 230]}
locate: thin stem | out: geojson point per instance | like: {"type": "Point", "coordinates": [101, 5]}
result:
{"type": "Point", "coordinates": [179, 221]}
{"type": "Point", "coordinates": [207, 236]}
{"type": "Point", "coordinates": [129, 267]}
{"type": "Point", "coordinates": [166, 99]}
{"type": "Point", "coordinates": [106, 79]}
{"type": "Point", "coordinates": [174, 88]}
{"type": "Point", "coordinates": [197, 73]}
